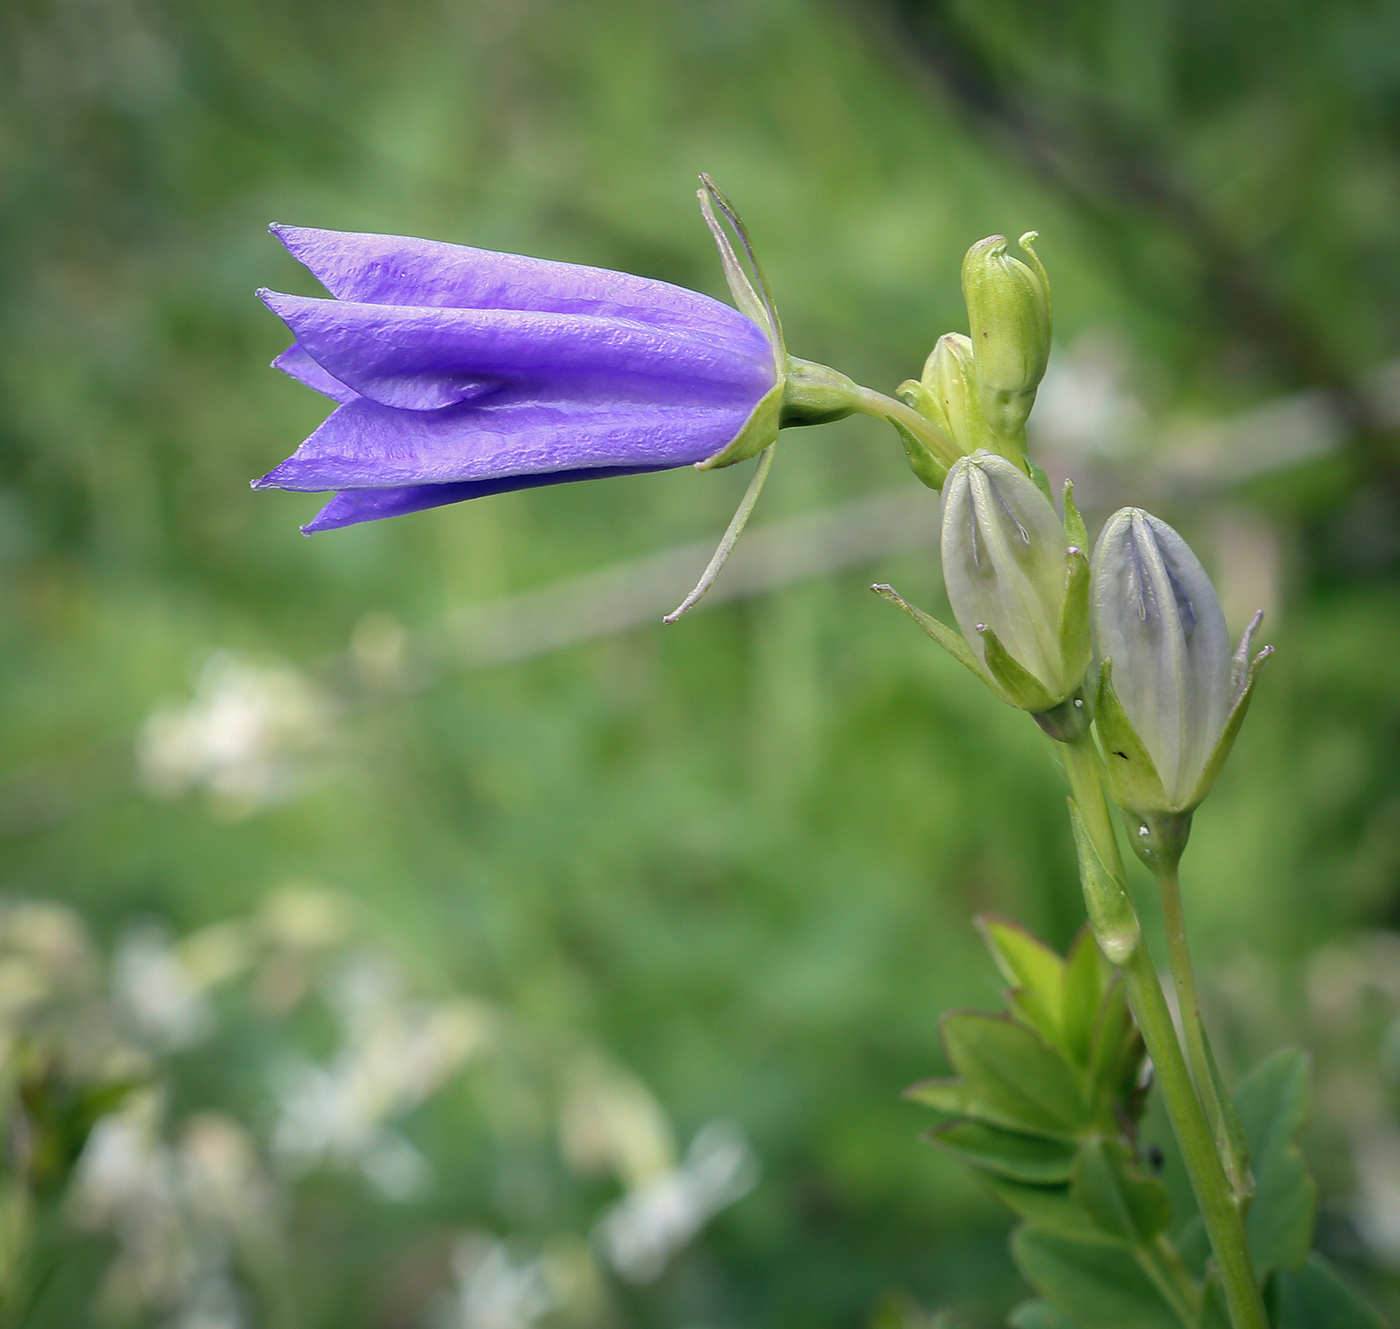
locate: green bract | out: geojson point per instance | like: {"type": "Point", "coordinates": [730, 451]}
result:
{"type": "Point", "coordinates": [1171, 694]}
{"type": "Point", "coordinates": [1008, 310]}
{"type": "Point", "coordinates": [1017, 588]}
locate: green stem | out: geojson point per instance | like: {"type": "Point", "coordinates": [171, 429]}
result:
{"type": "Point", "coordinates": [1214, 1195]}
{"type": "Point", "coordinates": [1193, 1027]}
{"type": "Point", "coordinates": [870, 402]}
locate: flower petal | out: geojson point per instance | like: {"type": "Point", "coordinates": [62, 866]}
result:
{"type": "Point", "coordinates": [424, 359]}
{"type": "Point", "coordinates": [402, 270]}
{"type": "Point", "coordinates": [523, 430]}
{"type": "Point", "coordinates": [352, 506]}
{"type": "Point", "coordinates": [1156, 615]}
{"type": "Point", "coordinates": [295, 362]}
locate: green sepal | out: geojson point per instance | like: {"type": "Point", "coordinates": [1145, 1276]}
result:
{"type": "Point", "coordinates": [1015, 683]}
{"type": "Point", "coordinates": [1083, 989]}
{"type": "Point", "coordinates": [1014, 1078]}
{"type": "Point", "coordinates": [942, 1095]}
{"type": "Point", "coordinates": [1050, 1209]}
{"type": "Point", "coordinates": [1317, 1297]}
{"type": "Point", "coordinates": [1111, 912]}
{"type": "Point", "coordinates": [1042, 481]}
{"type": "Point", "coordinates": [760, 431]}
{"type": "Point", "coordinates": [948, 638]}
{"type": "Point", "coordinates": [921, 460]}
{"type": "Point", "coordinates": [1117, 1194]}
{"type": "Point", "coordinates": [1131, 775]}
{"type": "Point", "coordinates": [1038, 1314]}
{"type": "Point", "coordinates": [1093, 1284]}
{"type": "Point", "coordinates": [752, 298]}
{"type": "Point", "coordinates": [1273, 1105]}
{"type": "Point", "coordinates": [1031, 967]}
{"type": "Point", "coordinates": [1231, 731]}
{"type": "Point", "coordinates": [1034, 1159]}
{"type": "Point", "coordinates": [1076, 635]}
{"type": "Point", "coordinates": [1076, 533]}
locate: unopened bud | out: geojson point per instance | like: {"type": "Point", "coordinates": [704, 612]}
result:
{"type": "Point", "coordinates": [1172, 694]}
{"type": "Point", "coordinates": [949, 381]}
{"type": "Point", "coordinates": [1008, 310]}
{"type": "Point", "coordinates": [1018, 593]}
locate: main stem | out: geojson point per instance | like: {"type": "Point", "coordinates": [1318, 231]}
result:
{"type": "Point", "coordinates": [1214, 1195]}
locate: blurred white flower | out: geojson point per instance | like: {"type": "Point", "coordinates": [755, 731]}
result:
{"type": "Point", "coordinates": [648, 1226]}
{"type": "Point", "coordinates": [394, 1053]}
{"type": "Point", "coordinates": [156, 992]}
{"type": "Point", "coordinates": [244, 738]}
{"type": "Point", "coordinates": [492, 1291]}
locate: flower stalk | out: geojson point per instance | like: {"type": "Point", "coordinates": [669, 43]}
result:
{"type": "Point", "coordinates": [1215, 1195]}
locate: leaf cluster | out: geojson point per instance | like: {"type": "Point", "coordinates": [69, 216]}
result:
{"type": "Point", "coordinates": [1045, 1107]}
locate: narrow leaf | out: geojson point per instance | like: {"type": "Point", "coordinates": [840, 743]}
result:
{"type": "Point", "coordinates": [1111, 912]}
{"type": "Point", "coordinates": [942, 1095]}
{"type": "Point", "coordinates": [1075, 531]}
{"type": "Point", "coordinates": [729, 539]}
{"type": "Point", "coordinates": [946, 637]}
{"type": "Point", "coordinates": [1083, 988]}
{"type": "Point", "coordinates": [1050, 1209]}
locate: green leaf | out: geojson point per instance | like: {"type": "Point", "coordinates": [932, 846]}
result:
{"type": "Point", "coordinates": [942, 1095]}
{"type": "Point", "coordinates": [1111, 912]}
{"type": "Point", "coordinates": [1273, 1104]}
{"type": "Point", "coordinates": [1030, 1158]}
{"type": "Point", "coordinates": [1029, 965]}
{"type": "Point", "coordinates": [1050, 1209]}
{"type": "Point", "coordinates": [1115, 1192]}
{"type": "Point", "coordinates": [1038, 1315]}
{"type": "Point", "coordinates": [1316, 1297]}
{"type": "Point", "coordinates": [1098, 1287]}
{"type": "Point", "coordinates": [1013, 1077]}
{"type": "Point", "coordinates": [1082, 991]}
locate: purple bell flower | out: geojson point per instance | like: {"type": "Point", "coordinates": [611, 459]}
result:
{"type": "Point", "coordinates": [460, 372]}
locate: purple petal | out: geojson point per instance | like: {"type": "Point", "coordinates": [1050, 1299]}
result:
{"type": "Point", "coordinates": [526, 429]}
{"type": "Point", "coordinates": [424, 359]}
{"type": "Point", "coordinates": [352, 506]}
{"type": "Point", "coordinates": [401, 270]}
{"type": "Point", "coordinates": [295, 362]}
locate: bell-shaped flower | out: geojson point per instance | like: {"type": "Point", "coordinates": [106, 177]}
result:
{"type": "Point", "coordinates": [460, 372]}
{"type": "Point", "coordinates": [1172, 692]}
{"type": "Point", "coordinates": [1008, 311]}
{"type": "Point", "coordinates": [1017, 587]}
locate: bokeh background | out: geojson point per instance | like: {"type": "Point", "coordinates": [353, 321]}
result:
{"type": "Point", "coordinates": [434, 938]}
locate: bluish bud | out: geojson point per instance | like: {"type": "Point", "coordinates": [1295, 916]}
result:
{"type": "Point", "coordinates": [1019, 592]}
{"type": "Point", "coordinates": [1172, 692]}
{"type": "Point", "coordinates": [1008, 310]}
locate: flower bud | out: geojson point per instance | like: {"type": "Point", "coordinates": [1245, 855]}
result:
{"type": "Point", "coordinates": [1171, 693]}
{"type": "Point", "coordinates": [1018, 593]}
{"type": "Point", "coordinates": [950, 392]}
{"type": "Point", "coordinates": [1008, 310]}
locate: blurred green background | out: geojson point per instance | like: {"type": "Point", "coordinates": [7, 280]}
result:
{"type": "Point", "coordinates": [735, 860]}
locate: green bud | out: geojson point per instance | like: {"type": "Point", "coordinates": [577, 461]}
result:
{"type": "Point", "coordinates": [1172, 693]}
{"type": "Point", "coordinates": [949, 381]}
{"type": "Point", "coordinates": [1017, 590]}
{"type": "Point", "coordinates": [1008, 310]}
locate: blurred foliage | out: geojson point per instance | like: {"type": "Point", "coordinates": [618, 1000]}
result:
{"type": "Point", "coordinates": [740, 855]}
